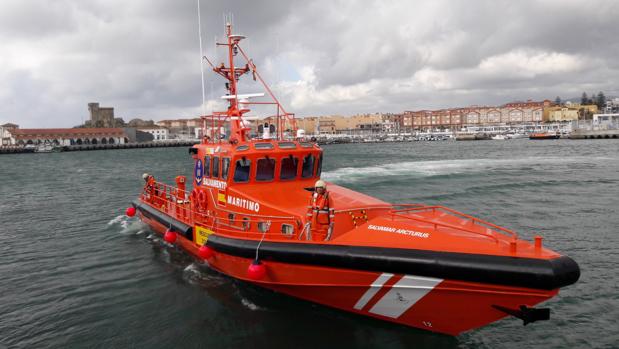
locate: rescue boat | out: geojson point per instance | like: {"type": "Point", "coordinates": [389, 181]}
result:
{"type": "Point", "coordinates": [249, 213]}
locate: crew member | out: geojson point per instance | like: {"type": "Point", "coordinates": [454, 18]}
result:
{"type": "Point", "coordinates": [149, 186]}
{"type": "Point", "coordinates": [319, 206]}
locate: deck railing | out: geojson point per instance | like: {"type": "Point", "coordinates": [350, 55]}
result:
{"type": "Point", "coordinates": [175, 202]}
{"type": "Point", "coordinates": [407, 211]}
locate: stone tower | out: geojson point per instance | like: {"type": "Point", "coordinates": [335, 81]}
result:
{"type": "Point", "coordinates": [99, 116]}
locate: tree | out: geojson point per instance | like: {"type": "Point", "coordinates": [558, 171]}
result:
{"type": "Point", "coordinates": [584, 99]}
{"type": "Point", "coordinates": [600, 100]}
{"type": "Point", "coordinates": [558, 100]}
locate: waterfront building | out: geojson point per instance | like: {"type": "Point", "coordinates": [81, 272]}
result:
{"type": "Point", "coordinates": [5, 133]}
{"type": "Point", "coordinates": [612, 106]}
{"type": "Point", "coordinates": [67, 136]}
{"type": "Point", "coordinates": [606, 120]}
{"type": "Point", "coordinates": [308, 123]}
{"type": "Point", "coordinates": [589, 109]}
{"type": "Point", "coordinates": [182, 128]}
{"type": "Point", "coordinates": [455, 118]}
{"type": "Point", "coordinates": [326, 126]}
{"type": "Point", "coordinates": [560, 113]}
{"type": "Point", "coordinates": [159, 133]}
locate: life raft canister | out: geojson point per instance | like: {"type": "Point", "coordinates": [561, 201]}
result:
{"type": "Point", "coordinates": [203, 200]}
{"type": "Point", "coordinates": [193, 197]}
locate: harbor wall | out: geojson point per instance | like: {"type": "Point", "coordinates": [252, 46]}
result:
{"type": "Point", "coordinates": [88, 147]}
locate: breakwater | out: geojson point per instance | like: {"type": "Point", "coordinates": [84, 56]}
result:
{"type": "Point", "coordinates": [87, 147]}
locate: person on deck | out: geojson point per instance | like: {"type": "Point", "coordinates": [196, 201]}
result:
{"type": "Point", "coordinates": [320, 204]}
{"type": "Point", "coordinates": [149, 186]}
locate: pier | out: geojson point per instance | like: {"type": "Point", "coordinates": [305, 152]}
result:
{"type": "Point", "coordinates": [88, 147]}
{"type": "Point", "coordinates": [603, 126]}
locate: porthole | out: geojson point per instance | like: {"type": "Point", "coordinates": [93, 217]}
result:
{"type": "Point", "coordinates": [287, 229]}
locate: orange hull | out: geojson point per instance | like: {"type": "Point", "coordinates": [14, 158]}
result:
{"type": "Point", "coordinates": [433, 304]}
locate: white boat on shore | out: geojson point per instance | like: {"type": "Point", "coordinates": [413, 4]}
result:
{"type": "Point", "coordinates": [47, 148]}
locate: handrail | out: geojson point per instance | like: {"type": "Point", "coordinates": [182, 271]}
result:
{"type": "Point", "coordinates": [446, 225]}
{"type": "Point", "coordinates": [405, 211]}
{"type": "Point", "coordinates": [368, 208]}
{"type": "Point", "coordinates": [397, 210]}
{"type": "Point", "coordinates": [474, 220]}
{"type": "Point", "coordinates": [168, 196]}
{"type": "Point", "coordinates": [167, 188]}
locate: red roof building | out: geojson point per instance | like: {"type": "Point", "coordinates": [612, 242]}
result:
{"type": "Point", "coordinates": [68, 136]}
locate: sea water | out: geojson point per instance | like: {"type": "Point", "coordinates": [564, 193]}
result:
{"type": "Point", "coordinates": [76, 273]}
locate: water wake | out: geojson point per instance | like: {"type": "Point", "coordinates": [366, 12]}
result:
{"type": "Point", "coordinates": [120, 220]}
{"type": "Point", "coordinates": [194, 274]}
{"type": "Point", "coordinates": [249, 305]}
{"type": "Point", "coordinates": [128, 226]}
{"type": "Point", "coordinates": [448, 167]}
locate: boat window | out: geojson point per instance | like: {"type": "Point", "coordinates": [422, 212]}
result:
{"type": "Point", "coordinates": [319, 166]}
{"type": "Point", "coordinates": [289, 168]}
{"type": "Point", "coordinates": [287, 145]}
{"type": "Point", "coordinates": [287, 229]}
{"type": "Point", "coordinates": [215, 166]}
{"type": "Point", "coordinates": [207, 166]}
{"type": "Point", "coordinates": [306, 145]}
{"type": "Point", "coordinates": [225, 165]}
{"type": "Point", "coordinates": [263, 146]}
{"type": "Point", "coordinates": [241, 170]}
{"type": "Point", "coordinates": [265, 169]}
{"type": "Point", "coordinates": [246, 223]}
{"type": "Point", "coordinates": [242, 147]}
{"type": "Point", "coordinates": [308, 166]}
{"type": "Point", "coordinates": [263, 227]}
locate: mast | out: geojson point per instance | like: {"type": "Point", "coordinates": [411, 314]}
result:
{"type": "Point", "coordinates": [238, 133]}
{"type": "Point", "coordinates": [234, 114]}
{"type": "Point", "coordinates": [202, 70]}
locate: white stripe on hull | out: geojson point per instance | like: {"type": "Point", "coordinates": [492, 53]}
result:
{"type": "Point", "coordinates": [374, 288]}
{"type": "Point", "coordinates": [403, 295]}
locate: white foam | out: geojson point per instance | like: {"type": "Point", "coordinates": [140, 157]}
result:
{"type": "Point", "coordinates": [121, 220]}
{"type": "Point", "coordinates": [195, 275]}
{"type": "Point", "coordinates": [191, 269]}
{"type": "Point", "coordinates": [249, 305]}
{"type": "Point", "coordinates": [444, 167]}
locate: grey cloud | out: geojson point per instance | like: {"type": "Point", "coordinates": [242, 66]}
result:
{"type": "Point", "coordinates": [142, 56]}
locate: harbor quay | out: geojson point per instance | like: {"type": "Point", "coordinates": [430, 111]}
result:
{"type": "Point", "coordinates": [87, 147]}
{"type": "Point", "coordinates": [511, 120]}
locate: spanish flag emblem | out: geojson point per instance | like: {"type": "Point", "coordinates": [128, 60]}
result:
{"type": "Point", "coordinates": [221, 198]}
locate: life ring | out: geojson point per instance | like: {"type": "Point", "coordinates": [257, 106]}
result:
{"type": "Point", "coordinates": [202, 200]}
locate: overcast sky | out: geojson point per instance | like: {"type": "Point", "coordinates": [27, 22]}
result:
{"type": "Point", "coordinates": [320, 57]}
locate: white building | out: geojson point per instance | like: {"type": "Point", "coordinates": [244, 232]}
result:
{"type": "Point", "coordinates": [5, 133]}
{"type": "Point", "coordinates": [610, 120]}
{"type": "Point", "coordinates": [159, 133]}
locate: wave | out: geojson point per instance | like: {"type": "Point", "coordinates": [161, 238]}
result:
{"type": "Point", "coordinates": [127, 226]}
{"type": "Point", "coordinates": [121, 220]}
{"type": "Point", "coordinates": [447, 167]}
{"type": "Point", "coordinates": [197, 274]}
{"type": "Point", "coordinates": [249, 305]}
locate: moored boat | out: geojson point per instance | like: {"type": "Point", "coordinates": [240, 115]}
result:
{"type": "Point", "coordinates": [545, 135]}
{"type": "Point", "coordinates": [259, 212]}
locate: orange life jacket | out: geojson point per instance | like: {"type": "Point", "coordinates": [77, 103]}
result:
{"type": "Point", "coordinates": [320, 204]}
